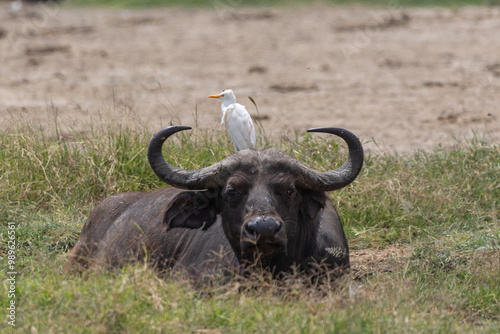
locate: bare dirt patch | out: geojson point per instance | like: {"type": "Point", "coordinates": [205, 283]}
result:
{"type": "Point", "coordinates": [408, 79]}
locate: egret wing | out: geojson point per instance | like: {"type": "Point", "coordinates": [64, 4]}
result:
{"type": "Point", "coordinates": [240, 127]}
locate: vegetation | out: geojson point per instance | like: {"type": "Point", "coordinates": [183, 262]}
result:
{"type": "Point", "coordinates": [436, 212]}
{"type": "Point", "coordinates": [261, 3]}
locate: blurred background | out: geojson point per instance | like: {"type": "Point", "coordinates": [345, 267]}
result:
{"type": "Point", "coordinates": [402, 75]}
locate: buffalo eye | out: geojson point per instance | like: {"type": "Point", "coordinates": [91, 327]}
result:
{"type": "Point", "coordinates": [290, 192]}
{"type": "Point", "coordinates": [231, 193]}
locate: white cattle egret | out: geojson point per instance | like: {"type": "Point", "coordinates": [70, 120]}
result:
{"type": "Point", "coordinates": [237, 120]}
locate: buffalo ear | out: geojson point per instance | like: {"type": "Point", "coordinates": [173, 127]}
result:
{"type": "Point", "coordinates": [314, 201]}
{"type": "Point", "coordinates": [191, 209]}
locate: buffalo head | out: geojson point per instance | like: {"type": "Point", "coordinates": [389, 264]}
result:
{"type": "Point", "coordinates": [271, 205]}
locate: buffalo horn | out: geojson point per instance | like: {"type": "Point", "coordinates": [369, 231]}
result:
{"type": "Point", "coordinates": [215, 175]}
{"type": "Point", "coordinates": [185, 179]}
{"type": "Point", "coordinates": [342, 176]}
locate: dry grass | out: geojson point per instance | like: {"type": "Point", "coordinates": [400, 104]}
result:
{"type": "Point", "coordinates": [423, 230]}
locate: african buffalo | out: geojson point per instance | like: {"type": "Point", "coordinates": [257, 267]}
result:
{"type": "Point", "coordinates": [252, 206]}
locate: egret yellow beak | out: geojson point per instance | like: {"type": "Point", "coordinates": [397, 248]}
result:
{"type": "Point", "coordinates": [214, 96]}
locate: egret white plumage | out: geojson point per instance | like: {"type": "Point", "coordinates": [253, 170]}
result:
{"type": "Point", "coordinates": [235, 117]}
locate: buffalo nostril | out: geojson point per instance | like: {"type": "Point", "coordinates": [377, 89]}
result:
{"type": "Point", "coordinates": [273, 225]}
{"type": "Point", "coordinates": [278, 229]}
{"type": "Point", "coordinates": [251, 227]}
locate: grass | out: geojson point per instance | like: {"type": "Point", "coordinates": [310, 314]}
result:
{"type": "Point", "coordinates": [440, 207]}
{"type": "Point", "coordinates": [266, 3]}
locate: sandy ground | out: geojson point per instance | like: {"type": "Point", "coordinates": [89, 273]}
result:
{"type": "Point", "coordinates": [405, 79]}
